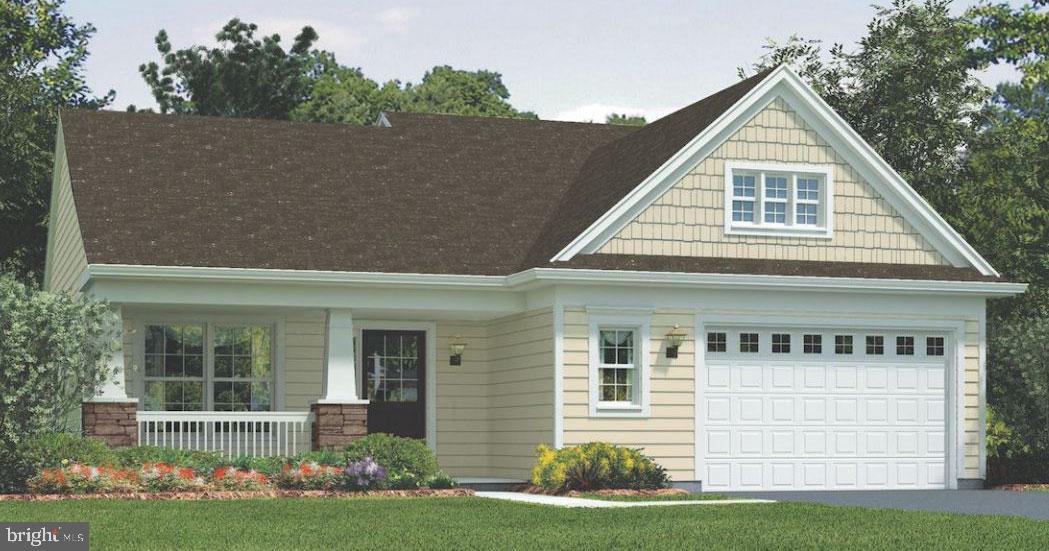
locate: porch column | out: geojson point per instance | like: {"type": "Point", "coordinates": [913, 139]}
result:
{"type": "Point", "coordinates": [340, 416]}
{"type": "Point", "coordinates": [110, 415]}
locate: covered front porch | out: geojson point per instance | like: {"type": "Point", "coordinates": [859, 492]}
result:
{"type": "Point", "coordinates": [470, 373]}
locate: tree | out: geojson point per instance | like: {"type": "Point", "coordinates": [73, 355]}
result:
{"type": "Point", "coordinates": [455, 91]}
{"type": "Point", "coordinates": [42, 54]}
{"type": "Point", "coordinates": [1004, 201]}
{"type": "Point", "coordinates": [907, 89]}
{"type": "Point", "coordinates": [625, 120]}
{"type": "Point", "coordinates": [54, 353]}
{"type": "Point", "coordinates": [1016, 36]}
{"type": "Point", "coordinates": [344, 94]}
{"type": "Point", "coordinates": [242, 77]}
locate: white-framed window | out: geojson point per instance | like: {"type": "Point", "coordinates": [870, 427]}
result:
{"type": "Point", "coordinates": [208, 366]}
{"type": "Point", "coordinates": [792, 200]}
{"type": "Point", "coordinates": [620, 352]}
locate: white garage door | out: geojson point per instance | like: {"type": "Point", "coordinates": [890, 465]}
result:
{"type": "Point", "coordinates": [822, 409]}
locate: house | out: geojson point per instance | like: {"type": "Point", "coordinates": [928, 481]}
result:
{"type": "Point", "coordinates": [743, 288]}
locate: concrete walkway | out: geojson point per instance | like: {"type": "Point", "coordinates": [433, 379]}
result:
{"type": "Point", "coordinates": [974, 502]}
{"type": "Point", "coordinates": [561, 501]}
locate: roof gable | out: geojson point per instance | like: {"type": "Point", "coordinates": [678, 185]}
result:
{"type": "Point", "coordinates": [785, 84]}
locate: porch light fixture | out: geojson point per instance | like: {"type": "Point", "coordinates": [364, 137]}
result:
{"type": "Point", "coordinates": [674, 338]}
{"type": "Point", "coordinates": [458, 346]}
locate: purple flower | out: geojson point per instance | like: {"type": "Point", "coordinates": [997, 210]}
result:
{"type": "Point", "coordinates": [365, 473]}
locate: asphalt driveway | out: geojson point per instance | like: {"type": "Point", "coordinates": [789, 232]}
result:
{"type": "Point", "coordinates": [975, 502]}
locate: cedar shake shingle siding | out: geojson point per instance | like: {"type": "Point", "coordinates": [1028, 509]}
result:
{"type": "Point", "coordinates": [688, 220]}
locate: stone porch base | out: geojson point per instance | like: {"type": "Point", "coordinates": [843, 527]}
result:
{"type": "Point", "coordinates": [115, 423]}
{"type": "Point", "coordinates": [336, 425]}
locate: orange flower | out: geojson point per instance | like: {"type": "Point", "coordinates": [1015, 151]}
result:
{"type": "Point", "coordinates": [186, 473]}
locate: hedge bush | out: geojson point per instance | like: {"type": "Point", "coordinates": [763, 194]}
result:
{"type": "Point", "coordinates": [400, 456]}
{"type": "Point", "coordinates": [596, 466]}
{"type": "Point", "coordinates": [54, 449]}
{"type": "Point", "coordinates": [141, 455]}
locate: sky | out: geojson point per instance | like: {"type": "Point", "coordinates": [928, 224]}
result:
{"type": "Point", "coordinates": [566, 60]}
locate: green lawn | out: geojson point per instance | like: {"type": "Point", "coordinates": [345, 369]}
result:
{"type": "Point", "coordinates": [668, 497]}
{"type": "Point", "coordinates": [475, 523]}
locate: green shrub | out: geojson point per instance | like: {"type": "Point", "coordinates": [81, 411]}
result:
{"type": "Point", "coordinates": [440, 481]}
{"type": "Point", "coordinates": [596, 466]}
{"type": "Point", "coordinates": [269, 466]}
{"type": "Point", "coordinates": [137, 456]}
{"type": "Point", "coordinates": [323, 457]}
{"type": "Point", "coordinates": [402, 480]}
{"type": "Point", "coordinates": [398, 455]}
{"type": "Point", "coordinates": [49, 450]}
{"type": "Point", "coordinates": [15, 470]}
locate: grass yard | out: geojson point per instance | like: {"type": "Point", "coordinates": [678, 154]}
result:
{"type": "Point", "coordinates": [668, 497]}
{"type": "Point", "coordinates": [475, 523]}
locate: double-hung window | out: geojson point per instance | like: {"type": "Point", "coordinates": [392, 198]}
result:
{"type": "Point", "coordinates": [744, 188]}
{"type": "Point", "coordinates": [619, 364]}
{"type": "Point", "coordinates": [208, 367]}
{"type": "Point", "coordinates": [790, 200]}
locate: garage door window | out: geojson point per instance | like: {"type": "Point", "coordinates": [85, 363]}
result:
{"type": "Point", "coordinates": [904, 346]}
{"type": "Point", "coordinates": [717, 342]}
{"type": "Point", "coordinates": [843, 344]}
{"type": "Point", "coordinates": [781, 343]}
{"type": "Point", "coordinates": [934, 346]}
{"type": "Point", "coordinates": [813, 344]}
{"type": "Point", "coordinates": [875, 344]}
{"type": "Point", "coordinates": [748, 343]}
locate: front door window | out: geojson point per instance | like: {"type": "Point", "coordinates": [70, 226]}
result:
{"type": "Point", "coordinates": [394, 379]}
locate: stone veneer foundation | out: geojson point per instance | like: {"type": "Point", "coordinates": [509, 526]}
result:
{"type": "Point", "coordinates": [336, 425]}
{"type": "Point", "coordinates": [113, 422]}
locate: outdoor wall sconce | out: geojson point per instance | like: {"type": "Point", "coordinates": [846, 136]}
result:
{"type": "Point", "coordinates": [674, 338]}
{"type": "Point", "coordinates": [458, 346]}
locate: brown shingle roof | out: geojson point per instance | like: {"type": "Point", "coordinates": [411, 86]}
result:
{"type": "Point", "coordinates": [429, 194]}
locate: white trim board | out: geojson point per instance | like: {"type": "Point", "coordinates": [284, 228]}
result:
{"type": "Point", "coordinates": [785, 83]}
{"type": "Point", "coordinates": [297, 285]}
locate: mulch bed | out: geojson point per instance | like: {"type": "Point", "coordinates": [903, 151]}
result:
{"type": "Point", "coordinates": [217, 495]}
{"type": "Point", "coordinates": [574, 493]}
{"type": "Point", "coordinates": [1022, 487]}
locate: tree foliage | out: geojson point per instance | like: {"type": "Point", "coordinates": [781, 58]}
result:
{"type": "Point", "coordinates": [242, 77]}
{"type": "Point", "coordinates": [625, 120]}
{"type": "Point", "coordinates": [42, 55]}
{"type": "Point", "coordinates": [1016, 36]}
{"type": "Point", "coordinates": [54, 351]}
{"type": "Point", "coordinates": [249, 77]}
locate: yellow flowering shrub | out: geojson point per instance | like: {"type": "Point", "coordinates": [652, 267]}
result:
{"type": "Point", "coordinates": [596, 466]}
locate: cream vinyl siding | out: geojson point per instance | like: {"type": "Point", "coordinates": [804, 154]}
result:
{"type": "Point", "coordinates": [494, 409]}
{"type": "Point", "coordinates": [971, 413]}
{"type": "Point", "coordinates": [520, 391]}
{"type": "Point", "coordinates": [462, 400]}
{"type": "Point", "coordinates": [688, 220]}
{"type": "Point", "coordinates": [668, 435]}
{"type": "Point", "coordinates": [66, 258]}
{"type": "Point", "coordinates": [304, 349]}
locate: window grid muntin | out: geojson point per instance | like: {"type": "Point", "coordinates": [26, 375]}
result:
{"type": "Point", "coordinates": [905, 345]}
{"type": "Point", "coordinates": [812, 343]}
{"type": "Point", "coordinates": [791, 215]}
{"type": "Point", "coordinates": [781, 343]}
{"type": "Point", "coordinates": [843, 344]}
{"type": "Point", "coordinates": [875, 345]}
{"type": "Point", "coordinates": [617, 379]}
{"type": "Point", "coordinates": [167, 365]}
{"type": "Point", "coordinates": [399, 380]}
{"type": "Point", "coordinates": [207, 380]}
{"type": "Point", "coordinates": [749, 343]}
{"type": "Point", "coordinates": [934, 346]}
{"type": "Point", "coordinates": [717, 341]}
{"type": "Point", "coordinates": [744, 194]}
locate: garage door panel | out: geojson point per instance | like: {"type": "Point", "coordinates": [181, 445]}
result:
{"type": "Point", "coordinates": [822, 422]}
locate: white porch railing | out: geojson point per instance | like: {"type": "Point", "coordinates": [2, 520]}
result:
{"type": "Point", "coordinates": [234, 433]}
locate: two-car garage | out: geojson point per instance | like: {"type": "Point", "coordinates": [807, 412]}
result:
{"type": "Point", "coordinates": [816, 409]}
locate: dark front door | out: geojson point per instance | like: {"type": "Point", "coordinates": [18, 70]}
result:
{"type": "Point", "coordinates": [394, 378]}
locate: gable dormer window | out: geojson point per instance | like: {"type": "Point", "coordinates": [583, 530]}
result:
{"type": "Point", "coordinates": [788, 200]}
